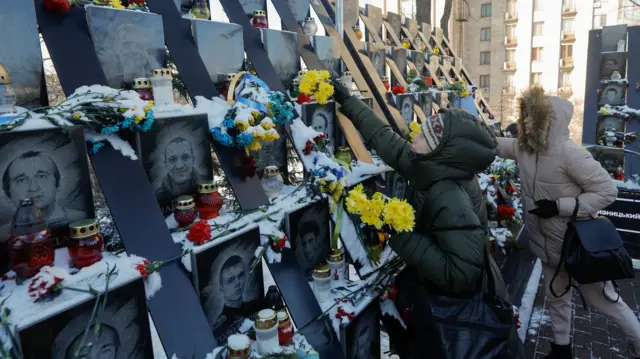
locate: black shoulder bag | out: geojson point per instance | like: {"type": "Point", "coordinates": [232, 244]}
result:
{"type": "Point", "coordinates": [593, 252]}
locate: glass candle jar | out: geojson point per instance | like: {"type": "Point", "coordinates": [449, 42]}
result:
{"type": "Point", "coordinates": [86, 243]}
{"type": "Point", "coordinates": [271, 181]}
{"type": "Point", "coordinates": [357, 32]}
{"type": "Point", "coordinates": [344, 154]}
{"type": "Point", "coordinates": [310, 27]}
{"type": "Point", "coordinates": [238, 347]}
{"type": "Point", "coordinates": [185, 212]}
{"type": "Point", "coordinates": [347, 80]}
{"type": "Point", "coordinates": [259, 20]}
{"type": "Point", "coordinates": [336, 262]}
{"type": "Point", "coordinates": [273, 299]}
{"type": "Point", "coordinates": [7, 95]}
{"type": "Point", "coordinates": [285, 328]}
{"type": "Point", "coordinates": [162, 84]}
{"type": "Point", "coordinates": [143, 87]}
{"type": "Point", "coordinates": [266, 327]}
{"type": "Point", "coordinates": [385, 81]}
{"type": "Point", "coordinates": [622, 45]}
{"type": "Point", "coordinates": [30, 242]}
{"type": "Point", "coordinates": [322, 282]}
{"type": "Point", "coordinates": [406, 43]}
{"type": "Point", "coordinates": [209, 200]}
{"type": "Point", "coordinates": [200, 10]}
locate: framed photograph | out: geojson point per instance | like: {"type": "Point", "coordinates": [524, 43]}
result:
{"type": "Point", "coordinates": [612, 94]}
{"type": "Point", "coordinates": [404, 104]}
{"type": "Point", "coordinates": [609, 158]}
{"type": "Point", "coordinates": [273, 153]}
{"type": "Point", "coordinates": [425, 99]}
{"type": "Point", "coordinates": [395, 185]}
{"type": "Point", "coordinates": [210, 37]}
{"type": "Point", "coordinates": [378, 58]}
{"type": "Point", "coordinates": [609, 124]}
{"type": "Point", "coordinates": [322, 118]}
{"type": "Point", "coordinates": [228, 289]}
{"type": "Point", "coordinates": [176, 155]}
{"type": "Point", "coordinates": [611, 36]}
{"type": "Point", "coordinates": [609, 63]}
{"type": "Point", "coordinates": [308, 230]}
{"type": "Point", "coordinates": [125, 329]}
{"type": "Point", "coordinates": [361, 337]}
{"type": "Point", "coordinates": [283, 51]}
{"type": "Point", "coordinates": [50, 167]}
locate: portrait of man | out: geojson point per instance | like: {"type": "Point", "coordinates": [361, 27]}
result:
{"type": "Point", "coordinates": [363, 334]}
{"type": "Point", "coordinates": [610, 63]}
{"type": "Point", "coordinates": [377, 57]}
{"type": "Point", "coordinates": [283, 50]}
{"type": "Point", "coordinates": [404, 104]}
{"type": "Point", "coordinates": [229, 291]}
{"type": "Point", "coordinates": [176, 155]}
{"type": "Point", "coordinates": [321, 118]}
{"type": "Point", "coordinates": [400, 59]}
{"type": "Point", "coordinates": [418, 60]}
{"type": "Point", "coordinates": [609, 122]}
{"type": "Point", "coordinates": [129, 44]}
{"type": "Point", "coordinates": [426, 102]}
{"type": "Point", "coordinates": [309, 229]}
{"type": "Point", "coordinates": [328, 51]}
{"type": "Point", "coordinates": [50, 168]}
{"type": "Point", "coordinates": [123, 333]}
{"type": "Point", "coordinates": [612, 94]}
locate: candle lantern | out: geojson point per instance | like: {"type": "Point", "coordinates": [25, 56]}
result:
{"type": "Point", "coordinates": [227, 82]}
{"type": "Point", "coordinates": [86, 244]}
{"type": "Point", "coordinates": [143, 87]}
{"type": "Point", "coordinates": [322, 282]}
{"type": "Point", "coordinates": [347, 80]}
{"type": "Point", "coordinates": [615, 75]}
{"type": "Point", "coordinates": [357, 32]}
{"type": "Point", "coordinates": [285, 328]}
{"type": "Point", "coordinates": [259, 20]}
{"type": "Point", "coordinates": [30, 242]}
{"type": "Point", "coordinates": [310, 27]}
{"type": "Point", "coordinates": [7, 95]}
{"type": "Point", "coordinates": [344, 154]}
{"type": "Point", "coordinates": [185, 212]}
{"type": "Point", "coordinates": [337, 264]}
{"type": "Point", "coordinates": [200, 10]}
{"type": "Point", "coordinates": [406, 43]}
{"type": "Point", "coordinates": [266, 328]}
{"type": "Point", "coordinates": [209, 200]}
{"type": "Point", "coordinates": [272, 181]}
{"type": "Point", "coordinates": [273, 299]}
{"type": "Point", "coordinates": [238, 347]}
{"type": "Point", "coordinates": [162, 84]}
{"type": "Point", "coordinates": [385, 81]}
{"type": "Point", "coordinates": [621, 45]}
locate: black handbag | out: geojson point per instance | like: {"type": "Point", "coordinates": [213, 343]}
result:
{"type": "Point", "coordinates": [481, 326]}
{"type": "Point", "coordinates": [593, 252]}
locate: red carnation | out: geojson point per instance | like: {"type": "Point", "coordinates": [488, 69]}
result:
{"type": "Point", "coordinates": [510, 189]}
{"type": "Point", "coordinates": [319, 138]}
{"type": "Point", "coordinates": [428, 80]}
{"type": "Point", "coordinates": [199, 233]}
{"type": "Point", "coordinates": [397, 90]}
{"type": "Point", "coordinates": [505, 211]}
{"type": "Point", "coordinates": [137, 1]}
{"type": "Point", "coordinates": [307, 147]}
{"type": "Point", "coordinates": [142, 268]}
{"type": "Point", "coordinates": [59, 6]}
{"type": "Point", "coordinates": [278, 243]}
{"type": "Point", "coordinates": [304, 98]}
{"type": "Point", "coordinates": [386, 85]}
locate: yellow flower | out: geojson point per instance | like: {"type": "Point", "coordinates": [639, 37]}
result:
{"type": "Point", "coordinates": [77, 115]}
{"type": "Point", "coordinates": [415, 129]}
{"type": "Point", "coordinates": [356, 201]}
{"type": "Point", "coordinates": [436, 50]}
{"type": "Point", "coordinates": [241, 125]}
{"type": "Point", "coordinates": [400, 215]}
{"type": "Point", "coordinates": [307, 86]}
{"type": "Point", "coordinates": [255, 145]}
{"type": "Point", "coordinates": [137, 119]}
{"type": "Point", "coordinates": [267, 124]}
{"type": "Point", "coordinates": [357, 189]}
{"type": "Point", "coordinates": [271, 135]}
{"type": "Point", "coordinates": [108, 99]}
{"type": "Point", "coordinates": [372, 218]}
{"type": "Point", "coordinates": [123, 110]}
{"type": "Point", "coordinates": [134, 107]}
{"type": "Point", "coordinates": [324, 75]}
{"type": "Point", "coordinates": [116, 4]}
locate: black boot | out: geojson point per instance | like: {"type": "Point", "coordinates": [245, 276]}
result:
{"type": "Point", "coordinates": [560, 352]}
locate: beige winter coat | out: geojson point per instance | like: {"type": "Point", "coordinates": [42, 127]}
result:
{"type": "Point", "coordinates": [553, 167]}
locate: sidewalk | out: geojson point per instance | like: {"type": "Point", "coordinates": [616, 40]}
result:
{"type": "Point", "coordinates": [593, 335]}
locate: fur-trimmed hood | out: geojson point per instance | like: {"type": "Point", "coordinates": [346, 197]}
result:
{"type": "Point", "coordinates": [543, 121]}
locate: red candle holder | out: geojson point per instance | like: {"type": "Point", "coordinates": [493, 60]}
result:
{"type": "Point", "coordinates": [259, 20]}
{"type": "Point", "coordinates": [143, 87]}
{"type": "Point", "coordinates": [30, 243]}
{"type": "Point", "coordinates": [209, 200]}
{"type": "Point", "coordinates": [285, 328]}
{"type": "Point", "coordinates": [185, 212]}
{"type": "Point", "coordinates": [86, 243]}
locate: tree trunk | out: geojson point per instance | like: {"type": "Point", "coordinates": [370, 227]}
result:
{"type": "Point", "coordinates": [446, 16]}
{"type": "Point", "coordinates": [423, 11]}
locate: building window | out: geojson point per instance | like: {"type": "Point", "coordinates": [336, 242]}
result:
{"type": "Point", "coordinates": [567, 26]}
{"type": "Point", "coordinates": [568, 5]}
{"type": "Point", "coordinates": [485, 10]}
{"type": "Point", "coordinates": [599, 21]}
{"type": "Point", "coordinates": [509, 80]}
{"type": "Point", "coordinates": [510, 55]}
{"type": "Point", "coordinates": [536, 53]}
{"type": "Point", "coordinates": [485, 34]}
{"type": "Point", "coordinates": [484, 81]}
{"type": "Point", "coordinates": [511, 7]}
{"type": "Point", "coordinates": [510, 31]}
{"type": "Point", "coordinates": [566, 51]}
{"type": "Point", "coordinates": [538, 5]}
{"type": "Point", "coordinates": [537, 28]}
{"type": "Point", "coordinates": [536, 78]}
{"type": "Point", "coordinates": [564, 80]}
{"type": "Point", "coordinates": [485, 57]}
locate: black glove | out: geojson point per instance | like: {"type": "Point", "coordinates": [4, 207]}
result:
{"type": "Point", "coordinates": [340, 93]}
{"type": "Point", "coordinates": [545, 208]}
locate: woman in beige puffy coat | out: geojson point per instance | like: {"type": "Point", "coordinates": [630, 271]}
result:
{"type": "Point", "coordinates": [553, 172]}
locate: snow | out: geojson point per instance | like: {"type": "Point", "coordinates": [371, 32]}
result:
{"type": "Point", "coordinates": [238, 341]}
{"type": "Point", "coordinates": [116, 142]}
{"type": "Point", "coordinates": [628, 184]}
{"type": "Point", "coordinates": [623, 81]}
{"type": "Point", "coordinates": [526, 303]}
{"type": "Point", "coordinates": [501, 235]}
{"type": "Point", "coordinates": [389, 308]}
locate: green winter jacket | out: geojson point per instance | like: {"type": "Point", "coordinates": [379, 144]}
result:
{"type": "Point", "coordinates": [446, 249]}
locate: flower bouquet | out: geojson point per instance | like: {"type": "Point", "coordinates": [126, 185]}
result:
{"type": "Point", "coordinates": [379, 218]}
{"type": "Point", "coordinates": [416, 82]}
{"type": "Point", "coordinates": [315, 85]}
{"type": "Point", "coordinates": [459, 89]}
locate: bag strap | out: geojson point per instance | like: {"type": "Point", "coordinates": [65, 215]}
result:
{"type": "Point", "coordinates": [574, 216]}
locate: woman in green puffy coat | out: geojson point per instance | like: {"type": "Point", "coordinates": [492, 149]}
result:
{"type": "Point", "coordinates": [446, 251]}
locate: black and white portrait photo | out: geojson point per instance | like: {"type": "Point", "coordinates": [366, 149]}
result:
{"type": "Point", "coordinates": [124, 329]}
{"type": "Point", "coordinates": [176, 154]}
{"type": "Point", "coordinates": [283, 50]}
{"type": "Point", "coordinates": [404, 103]}
{"type": "Point", "coordinates": [328, 51]}
{"type": "Point", "coordinates": [229, 291]}
{"type": "Point", "coordinates": [426, 102]}
{"type": "Point", "coordinates": [609, 124]}
{"type": "Point", "coordinates": [613, 62]}
{"type": "Point", "coordinates": [322, 118]}
{"type": "Point", "coordinates": [129, 44]}
{"type": "Point", "coordinates": [395, 20]}
{"type": "Point", "coordinates": [612, 94]}
{"type": "Point", "coordinates": [396, 185]}
{"type": "Point", "coordinates": [377, 56]}
{"type": "Point", "coordinates": [320, 334]}
{"type": "Point", "coordinates": [400, 59]}
{"type": "Point", "coordinates": [49, 167]}
{"type": "Point", "coordinates": [417, 57]}
{"type": "Point", "coordinates": [308, 229]}
{"type": "Point", "coordinates": [210, 37]}
{"type": "Point", "coordinates": [362, 335]}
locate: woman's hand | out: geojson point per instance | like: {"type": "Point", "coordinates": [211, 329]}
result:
{"type": "Point", "coordinates": [340, 92]}
{"type": "Point", "coordinates": [545, 208]}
